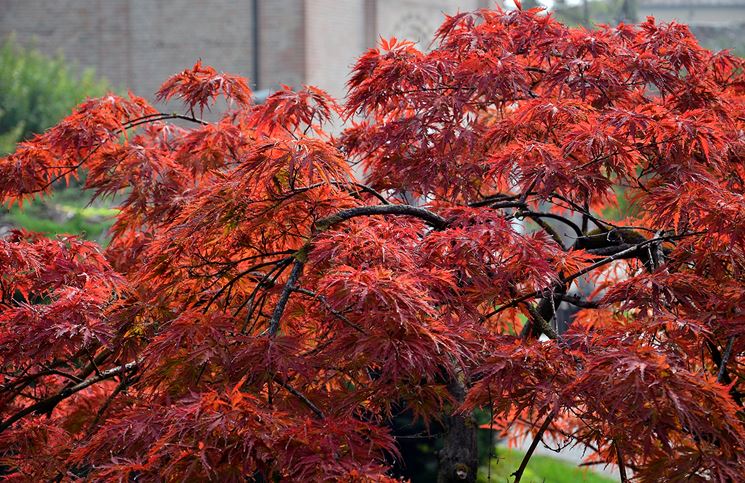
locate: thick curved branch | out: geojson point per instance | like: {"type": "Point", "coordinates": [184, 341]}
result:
{"type": "Point", "coordinates": [433, 219]}
{"type": "Point", "coordinates": [497, 198]}
{"type": "Point", "coordinates": [567, 222]}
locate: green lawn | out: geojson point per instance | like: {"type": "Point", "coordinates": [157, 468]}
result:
{"type": "Point", "coordinates": [65, 211]}
{"type": "Point", "coordinates": [540, 469]}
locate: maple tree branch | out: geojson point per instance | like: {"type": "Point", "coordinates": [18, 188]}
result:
{"type": "Point", "coordinates": [615, 249]}
{"type": "Point", "coordinates": [49, 403]}
{"type": "Point", "coordinates": [90, 368]}
{"type": "Point", "coordinates": [548, 229]}
{"type": "Point", "coordinates": [207, 262]}
{"type": "Point", "coordinates": [279, 309]}
{"type": "Point", "coordinates": [547, 306]}
{"type": "Point", "coordinates": [71, 377]}
{"type": "Point", "coordinates": [716, 356]}
{"type": "Point", "coordinates": [603, 225]}
{"type": "Point", "coordinates": [528, 454]}
{"type": "Point", "coordinates": [578, 301]}
{"type": "Point", "coordinates": [512, 303]}
{"type": "Point", "coordinates": [302, 397]}
{"type": "Point", "coordinates": [250, 271]}
{"type": "Point", "coordinates": [534, 215]}
{"type": "Point", "coordinates": [433, 219]}
{"type": "Point", "coordinates": [339, 184]}
{"type": "Point", "coordinates": [543, 325]}
{"type": "Point", "coordinates": [69, 169]}
{"type": "Point", "coordinates": [25, 380]}
{"type": "Point", "coordinates": [495, 203]}
{"type": "Point", "coordinates": [125, 382]}
{"type": "Point", "coordinates": [507, 204]}
{"type": "Point", "coordinates": [585, 218]}
{"type": "Point", "coordinates": [616, 256]}
{"type": "Point", "coordinates": [331, 309]}
{"type": "Point", "coordinates": [497, 199]}
{"type": "Point", "coordinates": [129, 124]}
{"type": "Point", "coordinates": [621, 465]}
{"type": "Point", "coordinates": [725, 358]}
{"type": "Point", "coordinates": [161, 116]}
{"type": "Point", "coordinates": [529, 189]}
{"type": "Point", "coordinates": [367, 189]}
{"type": "Point", "coordinates": [268, 280]}
{"type": "Point", "coordinates": [566, 434]}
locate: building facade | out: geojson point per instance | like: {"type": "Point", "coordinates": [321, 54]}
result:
{"type": "Point", "coordinates": [704, 13]}
{"type": "Point", "coordinates": [137, 44]}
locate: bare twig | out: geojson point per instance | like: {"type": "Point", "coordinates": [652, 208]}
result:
{"type": "Point", "coordinates": [49, 403]}
{"type": "Point", "coordinates": [331, 309]}
{"type": "Point", "coordinates": [578, 301]}
{"type": "Point", "coordinates": [300, 396]}
{"type": "Point", "coordinates": [621, 465]}
{"type": "Point", "coordinates": [519, 473]}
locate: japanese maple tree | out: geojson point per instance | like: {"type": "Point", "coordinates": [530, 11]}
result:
{"type": "Point", "coordinates": [273, 294]}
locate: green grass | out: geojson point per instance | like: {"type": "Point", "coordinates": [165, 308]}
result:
{"type": "Point", "coordinates": [64, 212]}
{"type": "Point", "coordinates": [540, 469]}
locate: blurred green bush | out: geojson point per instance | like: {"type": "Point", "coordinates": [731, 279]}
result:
{"type": "Point", "coordinates": [37, 91]}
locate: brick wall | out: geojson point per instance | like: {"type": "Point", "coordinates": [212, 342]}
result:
{"type": "Point", "coordinates": [336, 36]}
{"type": "Point", "coordinates": [137, 44]}
{"type": "Point", "coordinates": [282, 43]}
{"type": "Point", "coordinates": [338, 31]}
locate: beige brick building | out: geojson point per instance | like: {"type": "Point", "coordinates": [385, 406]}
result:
{"type": "Point", "coordinates": [136, 44]}
{"type": "Point", "coordinates": [709, 13]}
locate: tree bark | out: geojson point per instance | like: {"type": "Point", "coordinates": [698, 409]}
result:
{"type": "Point", "coordinates": [459, 459]}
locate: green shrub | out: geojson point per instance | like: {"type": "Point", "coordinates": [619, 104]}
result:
{"type": "Point", "coordinates": [37, 91]}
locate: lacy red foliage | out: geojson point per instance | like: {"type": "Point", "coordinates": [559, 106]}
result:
{"type": "Point", "coordinates": [261, 312]}
{"type": "Point", "coordinates": [200, 86]}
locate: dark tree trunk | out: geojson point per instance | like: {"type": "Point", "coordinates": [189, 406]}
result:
{"type": "Point", "coordinates": [459, 458]}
